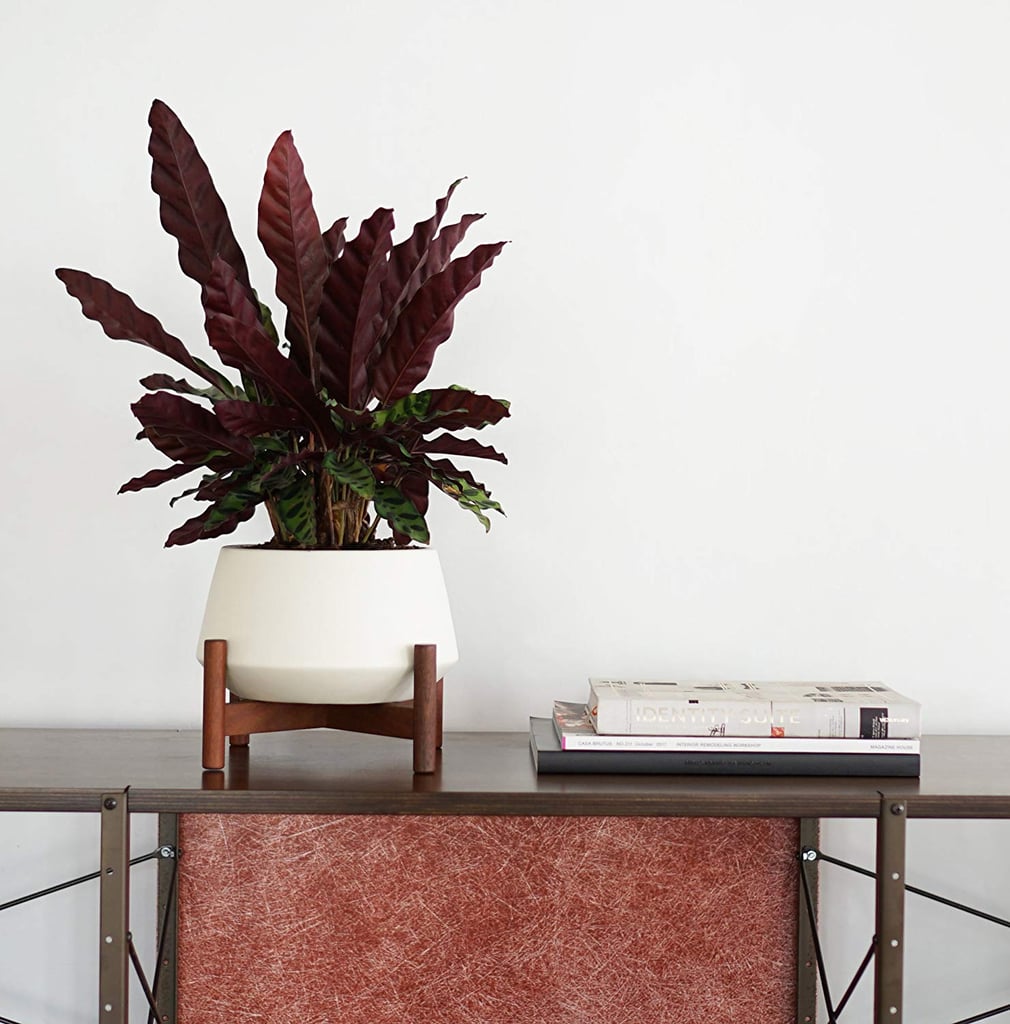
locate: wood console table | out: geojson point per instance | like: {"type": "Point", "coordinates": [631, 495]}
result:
{"type": "Point", "coordinates": [115, 773]}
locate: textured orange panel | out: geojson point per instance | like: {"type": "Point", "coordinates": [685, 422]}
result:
{"type": "Point", "coordinates": [305, 919]}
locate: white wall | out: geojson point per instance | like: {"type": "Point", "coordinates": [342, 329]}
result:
{"type": "Point", "coordinates": [753, 322]}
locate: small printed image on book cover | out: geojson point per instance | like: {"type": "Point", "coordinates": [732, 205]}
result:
{"type": "Point", "coordinates": [870, 711]}
{"type": "Point", "coordinates": [572, 716]}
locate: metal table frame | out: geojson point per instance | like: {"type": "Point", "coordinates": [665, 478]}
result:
{"type": "Point", "coordinates": [119, 773]}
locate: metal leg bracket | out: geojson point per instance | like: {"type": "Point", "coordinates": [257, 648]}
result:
{"type": "Point", "coordinates": [890, 937]}
{"type": "Point", "coordinates": [114, 901]}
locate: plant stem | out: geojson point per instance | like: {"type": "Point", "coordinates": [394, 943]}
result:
{"type": "Point", "coordinates": [274, 522]}
{"type": "Point", "coordinates": [371, 530]}
{"type": "Point", "coordinates": [331, 526]}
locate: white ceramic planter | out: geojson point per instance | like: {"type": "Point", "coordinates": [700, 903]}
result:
{"type": "Point", "coordinates": [327, 627]}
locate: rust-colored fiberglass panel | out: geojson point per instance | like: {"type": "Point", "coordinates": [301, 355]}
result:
{"type": "Point", "coordinates": [377, 919]}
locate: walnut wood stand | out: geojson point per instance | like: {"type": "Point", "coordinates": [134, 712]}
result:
{"type": "Point", "coordinates": [419, 719]}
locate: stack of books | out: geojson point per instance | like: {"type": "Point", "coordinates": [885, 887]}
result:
{"type": "Point", "coordinates": [731, 728]}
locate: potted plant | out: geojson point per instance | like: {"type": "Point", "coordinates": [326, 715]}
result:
{"type": "Point", "coordinates": [328, 427]}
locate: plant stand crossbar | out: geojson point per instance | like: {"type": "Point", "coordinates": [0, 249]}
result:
{"type": "Point", "coordinates": [418, 719]}
{"type": "Point", "coordinates": [150, 989]}
{"type": "Point", "coordinates": [807, 857]}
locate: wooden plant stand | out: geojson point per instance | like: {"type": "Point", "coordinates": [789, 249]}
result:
{"type": "Point", "coordinates": [419, 719]}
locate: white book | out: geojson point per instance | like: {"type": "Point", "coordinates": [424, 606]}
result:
{"type": "Point", "coordinates": [677, 709]}
{"type": "Point", "coordinates": [575, 732]}
{"type": "Point", "coordinates": [847, 710]}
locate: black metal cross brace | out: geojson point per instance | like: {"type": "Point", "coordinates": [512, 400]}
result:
{"type": "Point", "coordinates": [116, 940]}
{"type": "Point", "coordinates": [808, 856]}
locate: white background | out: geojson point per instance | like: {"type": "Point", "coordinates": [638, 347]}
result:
{"type": "Point", "coordinates": [753, 321]}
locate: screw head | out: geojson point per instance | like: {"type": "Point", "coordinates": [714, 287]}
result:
{"type": "Point", "coordinates": [111, 803]}
{"type": "Point", "coordinates": [897, 808]}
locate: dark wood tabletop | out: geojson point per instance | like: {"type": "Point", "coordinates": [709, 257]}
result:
{"type": "Point", "coordinates": [323, 771]}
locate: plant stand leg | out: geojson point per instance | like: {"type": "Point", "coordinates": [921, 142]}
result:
{"type": "Point", "coordinates": [419, 719]}
{"type": "Point", "coordinates": [215, 660]}
{"type": "Point", "coordinates": [427, 709]}
{"type": "Point", "coordinates": [239, 739]}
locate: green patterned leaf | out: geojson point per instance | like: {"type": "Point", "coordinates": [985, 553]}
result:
{"type": "Point", "coordinates": [399, 512]}
{"type": "Point", "coordinates": [415, 487]}
{"type": "Point", "coordinates": [222, 517]}
{"type": "Point", "coordinates": [475, 509]}
{"type": "Point", "coordinates": [295, 507]}
{"type": "Point", "coordinates": [237, 500]}
{"type": "Point", "coordinates": [411, 407]}
{"type": "Point", "coordinates": [464, 489]}
{"type": "Point", "coordinates": [449, 408]}
{"type": "Point", "coordinates": [473, 500]}
{"type": "Point", "coordinates": [267, 319]}
{"type": "Point", "coordinates": [270, 445]}
{"type": "Point", "coordinates": [352, 472]}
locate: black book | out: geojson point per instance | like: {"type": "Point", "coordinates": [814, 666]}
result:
{"type": "Point", "coordinates": [550, 759]}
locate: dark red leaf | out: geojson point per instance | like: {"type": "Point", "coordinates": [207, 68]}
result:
{"type": "Point", "coordinates": [157, 476]}
{"type": "Point", "coordinates": [415, 487]}
{"type": "Point", "coordinates": [123, 320]}
{"type": "Point", "coordinates": [426, 323]}
{"type": "Point", "coordinates": [289, 231]}
{"type": "Point", "coordinates": [467, 409]}
{"type": "Point", "coordinates": [217, 487]}
{"type": "Point", "coordinates": [408, 256]}
{"type": "Point", "coordinates": [352, 298]}
{"type": "Point", "coordinates": [448, 444]}
{"type": "Point", "coordinates": [199, 528]}
{"type": "Point", "coordinates": [350, 417]}
{"type": "Point", "coordinates": [444, 245]}
{"type": "Point", "coordinates": [437, 259]}
{"type": "Point", "coordinates": [411, 264]}
{"type": "Point", "coordinates": [225, 295]}
{"type": "Point", "coordinates": [186, 432]}
{"type": "Point", "coordinates": [251, 351]}
{"type": "Point", "coordinates": [165, 382]}
{"type": "Point", "coordinates": [333, 239]}
{"type": "Point", "coordinates": [191, 210]}
{"type": "Point", "coordinates": [247, 419]}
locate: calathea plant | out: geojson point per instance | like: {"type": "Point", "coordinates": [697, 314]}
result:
{"type": "Point", "coordinates": [327, 428]}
